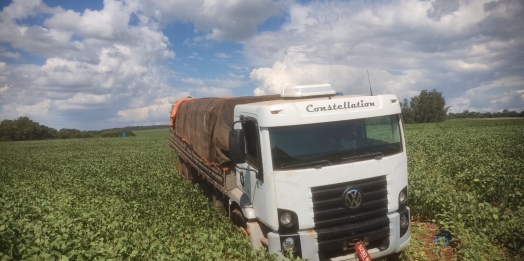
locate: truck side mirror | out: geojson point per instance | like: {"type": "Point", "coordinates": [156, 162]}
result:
{"type": "Point", "coordinates": [237, 146]}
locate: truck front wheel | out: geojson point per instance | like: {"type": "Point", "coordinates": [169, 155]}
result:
{"type": "Point", "coordinates": [238, 219]}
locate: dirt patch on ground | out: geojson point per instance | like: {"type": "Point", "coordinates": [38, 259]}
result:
{"type": "Point", "coordinates": [433, 251]}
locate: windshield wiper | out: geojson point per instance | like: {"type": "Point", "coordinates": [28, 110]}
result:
{"type": "Point", "coordinates": [377, 155]}
{"type": "Point", "coordinates": [309, 163]}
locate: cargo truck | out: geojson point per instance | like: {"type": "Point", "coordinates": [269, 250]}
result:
{"type": "Point", "coordinates": [307, 171]}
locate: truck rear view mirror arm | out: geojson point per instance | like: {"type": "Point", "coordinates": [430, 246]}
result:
{"type": "Point", "coordinates": [246, 169]}
{"type": "Point", "coordinates": [237, 146]}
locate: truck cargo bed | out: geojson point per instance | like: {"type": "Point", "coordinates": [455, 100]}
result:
{"type": "Point", "coordinates": [205, 123]}
{"type": "Point", "coordinates": [222, 179]}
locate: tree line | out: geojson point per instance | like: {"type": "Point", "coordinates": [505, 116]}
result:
{"type": "Point", "coordinates": [430, 106]}
{"type": "Point", "coordinates": [474, 114]}
{"type": "Point", "coordinates": [24, 128]}
{"type": "Point", "coordinates": [150, 127]}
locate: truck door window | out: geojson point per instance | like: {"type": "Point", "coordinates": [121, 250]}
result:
{"type": "Point", "coordinates": [382, 129]}
{"type": "Point", "coordinates": [251, 130]}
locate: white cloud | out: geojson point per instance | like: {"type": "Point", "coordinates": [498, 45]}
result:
{"type": "Point", "coordinates": [103, 70]}
{"type": "Point", "coordinates": [21, 9]}
{"type": "Point", "coordinates": [299, 18]}
{"type": "Point", "coordinates": [91, 78]}
{"type": "Point", "coordinates": [37, 110]}
{"type": "Point", "coordinates": [505, 93]}
{"type": "Point", "coordinates": [230, 82]}
{"type": "Point", "coordinates": [195, 55]}
{"type": "Point", "coordinates": [3, 73]}
{"type": "Point", "coordinates": [226, 83]}
{"type": "Point", "coordinates": [82, 101]}
{"type": "Point", "coordinates": [160, 108]}
{"type": "Point", "coordinates": [219, 19]}
{"type": "Point", "coordinates": [222, 55]}
{"type": "Point", "coordinates": [109, 23]}
{"type": "Point", "coordinates": [113, 66]}
{"type": "Point", "coordinates": [405, 48]}
{"type": "Point", "coordinates": [344, 78]}
{"type": "Point", "coordinates": [194, 81]}
{"type": "Point", "coordinates": [214, 92]}
{"type": "Point", "coordinates": [239, 68]}
{"type": "Point", "coordinates": [8, 54]}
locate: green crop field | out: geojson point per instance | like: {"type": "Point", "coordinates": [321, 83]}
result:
{"type": "Point", "coordinates": [467, 176]}
{"type": "Point", "coordinates": [106, 198]}
{"type": "Point", "coordinates": [122, 199]}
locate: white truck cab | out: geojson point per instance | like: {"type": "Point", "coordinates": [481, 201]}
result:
{"type": "Point", "coordinates": [317, 173]}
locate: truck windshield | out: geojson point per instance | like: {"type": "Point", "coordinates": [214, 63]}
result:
{"type": "Point", "coordinates": [332, 143]}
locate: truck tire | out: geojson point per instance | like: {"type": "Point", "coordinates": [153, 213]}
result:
{"type": "Point", "coordinates": [239, 220]}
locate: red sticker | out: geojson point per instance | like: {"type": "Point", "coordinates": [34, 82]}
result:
{"type": "Point", "coordinates": [362, 252]}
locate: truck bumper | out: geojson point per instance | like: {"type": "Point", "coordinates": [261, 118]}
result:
{"type": "Point", "coordinates": [308, 248]}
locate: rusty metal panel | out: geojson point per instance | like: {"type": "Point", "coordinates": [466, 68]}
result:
{"type": "Point", "coordinates": [231, 182]}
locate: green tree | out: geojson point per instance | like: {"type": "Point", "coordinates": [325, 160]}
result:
{"type": "Point", "coordinates": [24, 128]}
{"type": "Point", "coordinates": [69, 133]}
{"type": "Point", "coordinates": [428, 106]}
{"type": "Point", "coordinates": [407, 114]}
{"type": "Point", "coordinates": [7, 130]}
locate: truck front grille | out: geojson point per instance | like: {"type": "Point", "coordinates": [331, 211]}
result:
{"type": "Point", "coordinates": [336, 225]}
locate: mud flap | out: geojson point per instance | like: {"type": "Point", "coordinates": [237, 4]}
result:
{"type": "Point", "coordinates": [255, 235]}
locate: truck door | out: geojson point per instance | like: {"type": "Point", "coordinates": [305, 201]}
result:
{"type": "Point", "coordinates": [248, 172]}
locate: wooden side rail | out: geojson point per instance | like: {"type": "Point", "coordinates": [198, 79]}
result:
{"type": "Point", "coordinates": [219, 178]}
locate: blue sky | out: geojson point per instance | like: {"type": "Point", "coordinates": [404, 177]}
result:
{"type": "Point", "coordinates": [102, 64]}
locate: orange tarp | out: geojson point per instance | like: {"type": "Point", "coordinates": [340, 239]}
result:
{"type": "Point", "coordinates": [175, 109]}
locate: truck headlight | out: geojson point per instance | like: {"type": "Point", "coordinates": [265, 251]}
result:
{"type": "Point", "coordinates": [286, 219]}
{"type": "Point", "coordinates": [403, 221]}
{"type": "Point", "coordinates": [288, 244]}
{"type": "Point", "coordinates": [403, 196]}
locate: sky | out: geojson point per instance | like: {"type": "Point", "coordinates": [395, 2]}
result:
{"type": "Point", "coordinates": [96, 64]}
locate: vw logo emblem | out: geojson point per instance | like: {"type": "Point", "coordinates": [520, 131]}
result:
{"type": "Point", "coordinates": [352, 198]}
